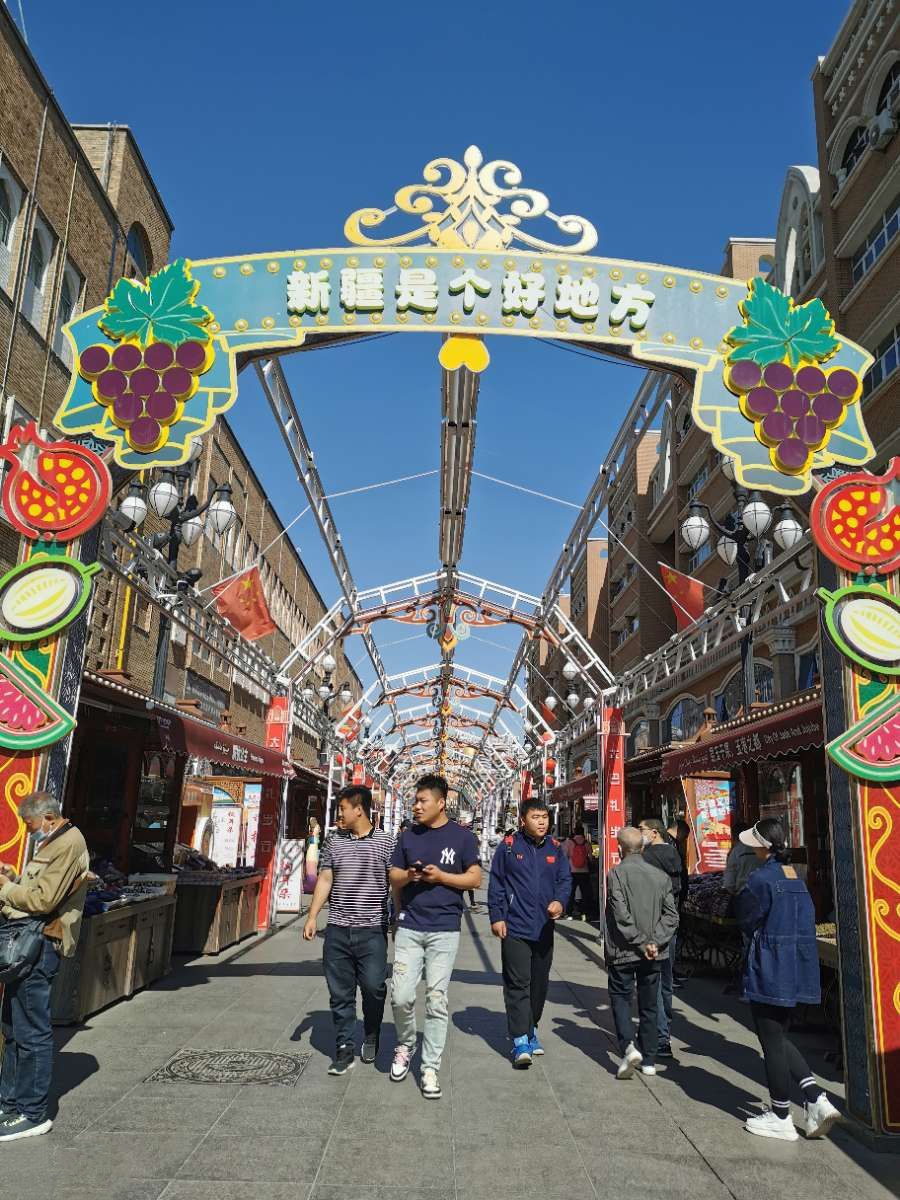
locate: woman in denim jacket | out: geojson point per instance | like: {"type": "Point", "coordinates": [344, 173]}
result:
{"type": "Point", "coordinates": [781, 970]}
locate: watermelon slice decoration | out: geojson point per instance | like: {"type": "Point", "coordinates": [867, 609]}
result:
{"type": "Point", "coordinates": [870, 749]}
{"type": "Point", "coordinates": [29, 718]}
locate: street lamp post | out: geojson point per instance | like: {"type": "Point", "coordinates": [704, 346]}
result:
{"type": "Point", "coordinates": [750, 523]}
{"type": "Point", "coordinates": [328, 694]}
{"type": "Point", "coordinates": [172, 501]}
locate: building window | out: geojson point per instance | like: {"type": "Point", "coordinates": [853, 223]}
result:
{"type": "Point", "coordinates": [684, 720]}
{"type": "Point", "coordinates": [683, 426]}
{"type": "Point", "coordinates": [10, 201]}
{"type": "Point", "coordinates": [69, 302]}
{"type": "Point", "coordinates": [639, 738]}
{"type": "Point", "coordinates": [808, 669]}
{"type": "Point", "coordinates": [730, 700]}
{"type": "Point", "coordinates": [631, 626]}
{"type": "Point", "coordinates": [887, 357]}
{"type": "Point", "coordinates": [890, 89]}
{"type": "Point", "coordinates": [37, 275]}
{"type": "Point", "coordinates": [877, 242]}
{"type": "Point", "coordinates": [697, 483]}
{"type": "Point", "coordinates": [700, 555]}
{"type": "Point", "coordinates": [138, 256]}
{"type": "Point", "coordinates": [857, 144]}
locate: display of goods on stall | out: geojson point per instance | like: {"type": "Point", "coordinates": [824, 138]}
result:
{"type": "Point", "coordinates": [706, 897]}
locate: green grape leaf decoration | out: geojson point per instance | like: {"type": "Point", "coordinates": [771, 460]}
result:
{"type": "Point", "coordinates": [774, 329]}
{"type": "Point", "coordinates": [162, 310]}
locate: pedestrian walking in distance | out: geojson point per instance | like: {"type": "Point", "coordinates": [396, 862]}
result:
{"type": "Point", "coordinates": [660, 852]}
{"type": "Point", "coordinates": [781, 970]}
{"type": "Point", "coordinates": [528, 891]}
{"type": "Point", "coordinates": [353, 880]}
{"type": "Point", "coordinates": [52, 887]}
{"type": "Point", "coordinates": [434, 862]}
{"type": "Point", "coordinates": [641, 919]}
{"type": "Point", "coordinates": [577, 850]}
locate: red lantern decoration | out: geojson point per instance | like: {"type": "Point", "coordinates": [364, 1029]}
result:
{"type": "Point", "coordinates": [550, 764]}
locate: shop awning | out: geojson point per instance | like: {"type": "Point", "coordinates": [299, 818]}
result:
{"type": "Point", "coordinates": [181, 734]}
{"type": "Point", "coordinates": [309, 775]}
{"type": "Point", "coordinates": [584, 788]}
{"type": "Point", "coordinates": [785, 728]}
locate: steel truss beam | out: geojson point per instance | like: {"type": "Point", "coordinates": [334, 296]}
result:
{"type": "Point", "coordinates": [782, 592]}
{"type": "Point", "coordinates": [650, 398]}
{"type": "Point", "coordinates": [281, 401]}
{"type": "Point", "coordinates": [459, 404]}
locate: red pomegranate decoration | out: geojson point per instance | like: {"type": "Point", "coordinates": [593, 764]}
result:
{"type": "Point", "coordinates": [856, 521]}
{"type": "Point", "coordinates": [53, 490]}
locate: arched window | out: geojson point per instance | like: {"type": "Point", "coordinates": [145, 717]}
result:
{"type": "Point", "coordinates": [37, 273]}
{"type": "Point", "coordinates": [7, 214]}
{"type": "Point", "coordinates": [804, 251]}
{"type": "Point", "coordinates": [639, 738]}
{"type": "Point", "coordinates": [69, 299]}
{"type": "Point", "coordinates": [684, 720]}
{"type": "Point", "coordinates": [856, 146]}
{"type": "Point", "coordinates": [730, 700]}
{"type": "Point", "coordinates": [890, 89]}
{"type": "Point", "coordinates": [138, 253]}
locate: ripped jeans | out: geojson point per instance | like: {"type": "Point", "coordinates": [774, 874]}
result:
{"type": "Point", "coordinates": [432, 955]}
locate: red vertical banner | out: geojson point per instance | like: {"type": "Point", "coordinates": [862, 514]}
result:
{"type": "Point", "coordinates": [267, 842]}
{"type": "Point", "coordinates": [278, 725]}
{"type": "Point", "coordinates": [612, 752]}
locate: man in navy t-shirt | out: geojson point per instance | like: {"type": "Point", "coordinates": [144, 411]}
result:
{"type": "Point", "coordinates": [434, 862]}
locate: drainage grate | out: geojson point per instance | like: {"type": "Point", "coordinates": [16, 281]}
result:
{"type": "Point", "coordinates": [231, 1066]}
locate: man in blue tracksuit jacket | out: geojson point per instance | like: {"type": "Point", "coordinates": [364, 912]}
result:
{"type": "Point", "coordinates": [529, 889]}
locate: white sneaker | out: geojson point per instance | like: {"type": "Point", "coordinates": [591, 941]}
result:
{"type": "Point", "coordinates": [771, 1126]}
{"type": "Point", "coordinates": [431, 1088]}
{"type": "Point", "coordinates": [400, 1065]}
{"type": "Point", "coordinates": [821, 1115]}
{"type": "Point", "coordinates": [21, 1127]}
{"type": "Point", "coordinates": [633, 1058]}
{"type": "Point", "coordinates": [648, 1069]}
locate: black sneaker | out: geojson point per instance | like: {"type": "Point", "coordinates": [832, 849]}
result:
{"type": "Point", "coordinates": [369, 1051]}
{"type": "Point", "coordinates": [21, 1127]}
{"type": "Point", "coordinates": [665, 1051]}
{"type": "Point", "coordinates": [343, 1060]}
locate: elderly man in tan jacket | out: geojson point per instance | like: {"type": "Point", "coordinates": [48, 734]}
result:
{"type": "Point", "coordinates": [52, 886]}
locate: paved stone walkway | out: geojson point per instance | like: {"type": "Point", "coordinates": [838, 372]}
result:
{"type": "Point", "coordinates": [564, 1129]}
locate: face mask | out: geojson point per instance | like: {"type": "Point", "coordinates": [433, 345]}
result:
{"type": "Point", "coordinates": [40, 836]}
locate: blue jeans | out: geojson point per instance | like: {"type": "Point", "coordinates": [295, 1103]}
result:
{"type": "Point", "coordinates": [355, 958]}
{"type": "Point", "coordinates": [432, 955]}
{"type": "Point", "coordinates": [28, 1039]}
{"type": "Point", "coordinates": [664, 1013]}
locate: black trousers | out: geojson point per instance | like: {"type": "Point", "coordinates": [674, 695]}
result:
{"type": "Point", "coordinates": [621, 983]}
{"type": "Point", "coordinates": [355, 958]}
{"type": "Point", "coordinates": [581, 882]}
{"type": "Point", "coordinates": [526, 976]}
{"type": "Point", "coordinates": [783, 1061]}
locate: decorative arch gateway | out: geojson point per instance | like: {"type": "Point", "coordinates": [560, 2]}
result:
{"type": "Point", "coordinates": [157, 362]}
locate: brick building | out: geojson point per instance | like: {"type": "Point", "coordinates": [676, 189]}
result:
{"type": "Point", "coordinates": [78, 210]}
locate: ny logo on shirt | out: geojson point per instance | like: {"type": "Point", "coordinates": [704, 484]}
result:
{"type": "Point", "coordinates": [448, 857]}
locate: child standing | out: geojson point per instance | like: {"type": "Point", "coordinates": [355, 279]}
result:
{"type": "Point", "coordinates": [529, 888]}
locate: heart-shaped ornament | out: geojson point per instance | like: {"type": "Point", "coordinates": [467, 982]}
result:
{"type": "Point", "coordinates": [463, 351]}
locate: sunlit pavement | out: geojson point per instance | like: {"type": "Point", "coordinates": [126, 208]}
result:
{"type": "Point", "coordinates": [566, 1128]}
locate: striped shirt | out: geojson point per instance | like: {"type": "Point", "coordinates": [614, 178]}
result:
{"type": "Point", "coordinates": [359, 888]}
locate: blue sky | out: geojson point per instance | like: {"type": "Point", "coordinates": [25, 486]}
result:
{"type": "Point", "coordinates": [265, 125]}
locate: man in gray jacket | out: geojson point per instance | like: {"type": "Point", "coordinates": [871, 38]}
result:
{"type": "Point", "coordinates": [641, 917]}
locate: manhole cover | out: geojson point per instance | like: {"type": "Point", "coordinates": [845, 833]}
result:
{"type": "Point", "coordinates": [231, 1066]}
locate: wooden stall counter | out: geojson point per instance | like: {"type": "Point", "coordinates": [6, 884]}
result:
{"type": "Point", "coordinates": [215, 911]}
{"type": "Point", "coordinates": [119, 952]}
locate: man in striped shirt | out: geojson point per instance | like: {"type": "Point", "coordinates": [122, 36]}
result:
{"type": "Point", "coordinates": [353, 879]}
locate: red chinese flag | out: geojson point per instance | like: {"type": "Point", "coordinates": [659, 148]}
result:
{"type": "Point", "coordinates": [686, 594]}
{"type": "Point", "coordinates": [241, 602]}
